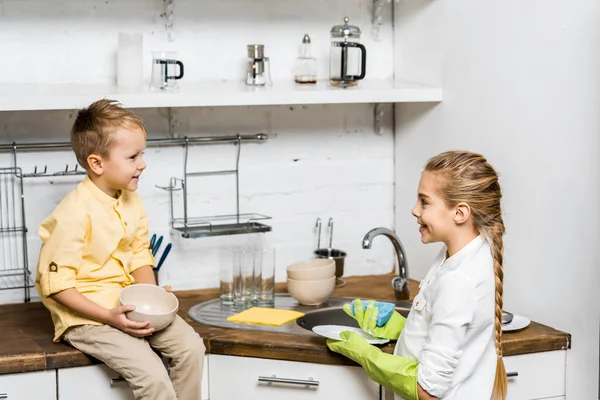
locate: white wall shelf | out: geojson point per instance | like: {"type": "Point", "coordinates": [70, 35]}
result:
{"type": "Point", "coordinates": [22, 97]}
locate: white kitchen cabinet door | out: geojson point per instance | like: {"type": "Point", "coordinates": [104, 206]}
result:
{"type": "Point", "coordinates": [262, 379]}
{"type": "Point", "coordinates": [94, 382]}
{"type": "Point", "coordinates": [38, 385]}
{"type": "Point", "coordinates": [99, 382]}
{"type": "Point", "coordinates": [538, 375]}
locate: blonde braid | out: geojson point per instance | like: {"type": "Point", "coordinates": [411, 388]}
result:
{"type": "Point", "coordinates": [496, 232]}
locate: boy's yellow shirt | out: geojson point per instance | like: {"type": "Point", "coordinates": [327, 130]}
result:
{"type": "Point", "coordinates": [91, 242]}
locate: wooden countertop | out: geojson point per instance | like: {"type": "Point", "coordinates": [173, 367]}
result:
{"type": "Point", "coordinates": [26, 331]}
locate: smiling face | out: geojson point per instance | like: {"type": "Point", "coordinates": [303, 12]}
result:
{"type": "Point", "coordinates": [124, 165]}
{"type": "Point", "coordinates": [436, 219]}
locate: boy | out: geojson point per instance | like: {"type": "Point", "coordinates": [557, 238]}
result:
{"type": "Point", "coordinates": [94, 244]}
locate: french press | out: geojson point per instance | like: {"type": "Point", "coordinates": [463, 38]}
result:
{"type": "Point", "coordinates": [348, 58]}
{"type": "Point", "coordinates": [164, 65]}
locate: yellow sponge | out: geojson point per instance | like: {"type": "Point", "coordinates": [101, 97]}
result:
{"type": "Point", "coordinates": [265, 316]}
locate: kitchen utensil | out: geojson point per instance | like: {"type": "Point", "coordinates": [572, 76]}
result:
{"type": "Point", "coordinates": [311, 293]}
{"type": "Point", "coordinates": [305, 67]}
{"type": "Point", "coordinates": [338, 256]}
{"type": "Point", "coordinates": [318, 226]}
{"type": "Point", "coordinates": [333, 332]}
{"type": "Point", "coordinates": [506, 317]}
{"type": "Point", "coordinates": [265, 316]}
{"type": "Point", "coordinates": [264, 276]}
{"type": "Point", "coordinates": [152, 241]}
{"type": "Point", "coordinates": [315, 269]}
{"type": "Point", "coordinates": [164, 71]}
{"type": "Point", "coordinates": [129, 60]}
{"type": "Point", "coordinates": [152, 303]}
{"type": "Point", "coordinates": [518, 322]}
{"type": "Point", "coordinates": [157, 246]}
{"type": "Point", "coordinates": [258, 71]}
{"type": "Point", "coordinates": [348, 58]}
{"type": "Point", "coordinates": [164, 256]}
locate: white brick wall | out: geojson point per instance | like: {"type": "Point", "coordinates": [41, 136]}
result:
{"type": "Point", "coordinates": [320, 161]}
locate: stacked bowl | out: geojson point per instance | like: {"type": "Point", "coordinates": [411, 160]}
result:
{"type": "Point", "coordinates": [311, 282]}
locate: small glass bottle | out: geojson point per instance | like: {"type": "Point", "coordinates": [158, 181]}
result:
{"type": "Point", "coordinates": [305, 68]}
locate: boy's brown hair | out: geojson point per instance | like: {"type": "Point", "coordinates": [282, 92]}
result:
{"type": "Point", "coordinates": [93, 127]}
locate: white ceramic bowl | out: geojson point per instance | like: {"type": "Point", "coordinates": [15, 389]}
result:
{"type": "Point", "coordinates": [152, 303]}
{"type": "Point", "coordinates": [311, 293]}
{"type": "Point", "coordinates": [311, 270]}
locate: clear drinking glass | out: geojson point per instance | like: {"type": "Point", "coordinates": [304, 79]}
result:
{"type": "Point", "coordinates": [226, 273]}
{"type": "Point", "coordinates": [264, 277]}
{"type": "Point", "coordinates": [243, 276]}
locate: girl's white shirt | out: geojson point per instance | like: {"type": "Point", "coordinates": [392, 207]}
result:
{"type": "Point", "coordinates": [450, 328]}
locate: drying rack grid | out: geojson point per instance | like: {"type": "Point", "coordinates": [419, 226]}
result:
{"type": "Point", "coordinates": [14, 270]}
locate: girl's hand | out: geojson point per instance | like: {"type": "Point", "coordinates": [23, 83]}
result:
{"type": "Point", "coordinates": [167, 288]}
{"type": "Point", "coordinates": [118, 319]}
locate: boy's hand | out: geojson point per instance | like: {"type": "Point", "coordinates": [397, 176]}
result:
{"type": "Point", "coordinates": [119, 320]}
{"type": "Point", "coordinates": [167, 288]}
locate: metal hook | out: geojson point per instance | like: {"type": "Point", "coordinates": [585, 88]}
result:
{"type": "Point", "coordinates": [67, 171]}
{"type": "Point", "coordinates": [36, 173]}
{"type": "Point", "coordinates": [173, 186]}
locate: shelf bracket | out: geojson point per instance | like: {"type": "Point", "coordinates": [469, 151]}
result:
{"type": "Point", "coordinates": [172, 120]}
{"type": "Point", "coordinates": [378, 114]}
{"type": "Point", "coordinates": [377, 18]}
{"type": "Point", "coordinates": [169, 16]}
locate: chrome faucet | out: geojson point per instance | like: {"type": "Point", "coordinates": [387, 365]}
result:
{"type": "Point", "coordinates": [399, 283]}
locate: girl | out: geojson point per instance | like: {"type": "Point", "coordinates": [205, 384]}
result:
{"type": "Point", "coordinates": [449, 347]}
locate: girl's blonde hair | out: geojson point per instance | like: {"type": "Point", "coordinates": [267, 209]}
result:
{"type": "Point", "coordinates": [468, 178]}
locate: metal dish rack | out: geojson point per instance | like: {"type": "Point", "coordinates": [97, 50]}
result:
{"type": "Point", "coordinates": [14, 270]}
{"type": "Point", "coordinates": [217, 225]}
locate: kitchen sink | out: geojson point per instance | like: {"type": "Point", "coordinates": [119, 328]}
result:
{"type": "Point", "coordinates": [329, 313]}
{"type": "Point", "coordinates": [337, 316]}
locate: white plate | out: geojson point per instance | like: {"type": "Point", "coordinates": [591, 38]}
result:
{"type": "Point", "coordinates": [518, 322]}
{"type": "Point", "coordinates": [333, 332]}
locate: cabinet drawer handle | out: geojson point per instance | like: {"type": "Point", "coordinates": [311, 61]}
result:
{"type": "Point", "coordinates": [117, 381]}
{"type": "Point", "coordinates": [512, 374]}
{"type": "Point", "coordinates": [301, 382]}
{"type": "Point", "coordinates": [3, 395]}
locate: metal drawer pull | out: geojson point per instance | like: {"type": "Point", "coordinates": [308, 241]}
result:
{"type": "Point", "coordinates": [301, 382]}
{"type": "Point", "coordinates": [3, 395]}
{"type": "Point", "coordinates": [512, 374]}
{"type": "Point", "coordinates": [118, 380]}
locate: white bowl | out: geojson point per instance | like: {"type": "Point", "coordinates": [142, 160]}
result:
{"type": "Point", "coordinates": [152, 303]}
{"type": "Point", "coordinates": [311, 293]}
{"type": "Point", "coordinates": [311, 270]}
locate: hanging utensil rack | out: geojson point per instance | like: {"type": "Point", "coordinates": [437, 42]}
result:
{"type": "Point", "coordinates": [14, 270]}
{"type": "Point", "coordinates": [189, 226]}
{"type": "Point", "coordinates": [217, 225]}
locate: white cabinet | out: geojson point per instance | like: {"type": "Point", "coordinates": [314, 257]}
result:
{"type": "Point", "coordinates": [38, 385]}
{"type": "Point", "coordinates": [538, 375]}
{"type": "Point", "coordinates": [94, 382]}
{"type": "Point", "coordinates": [262, 379]}
{"type": "Point", "coordinates": [98, 382]}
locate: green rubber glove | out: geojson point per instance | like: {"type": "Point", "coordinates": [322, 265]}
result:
{"type": "Point", "coordinates": [394, 372]}
{"type": "Point", "coordinates": [366, 313]}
